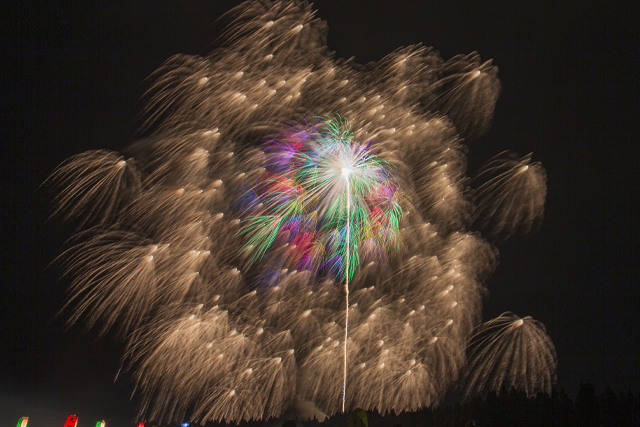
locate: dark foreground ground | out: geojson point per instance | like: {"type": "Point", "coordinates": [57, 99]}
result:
{"type": "Point", "coordinates": [504, 410]}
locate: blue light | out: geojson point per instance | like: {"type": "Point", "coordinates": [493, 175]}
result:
{"type": "Point", "coordinates": [184, 425]}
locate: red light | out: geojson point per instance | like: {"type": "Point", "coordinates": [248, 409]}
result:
{"type": "Point", "coordinates": [72, 421]}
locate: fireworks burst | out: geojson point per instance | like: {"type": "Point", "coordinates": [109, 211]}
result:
{"type": "Point", "coordinates": [326, 197]}
{"type": "Point", "coordinates": [226, 249]}
{"type": "Point", "coordinates": [506, 352]}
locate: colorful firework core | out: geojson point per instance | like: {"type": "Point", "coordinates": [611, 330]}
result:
{"type": "Point", "coordinates": [330, 201]}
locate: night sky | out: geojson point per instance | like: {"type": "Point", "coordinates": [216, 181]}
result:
{"type": "Point", "coordinates": [73, 75]}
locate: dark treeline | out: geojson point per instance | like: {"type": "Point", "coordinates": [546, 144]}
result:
{"type": "Point", "coordinates": [515, 409]}
{"type": "Point", "coordinates": [507, 409]}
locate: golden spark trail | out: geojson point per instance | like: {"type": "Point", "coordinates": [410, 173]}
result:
{"type": "Point", "coordinates": [345, 174]}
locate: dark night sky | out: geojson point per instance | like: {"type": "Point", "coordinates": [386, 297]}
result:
{"type": "Point", "coordinates": [73, 75]}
